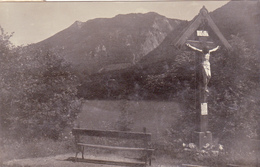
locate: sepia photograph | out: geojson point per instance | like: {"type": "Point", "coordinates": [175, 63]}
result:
{"type": "Point", "coordinates": [130, 83]}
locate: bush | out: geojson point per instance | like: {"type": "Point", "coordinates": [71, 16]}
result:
{"type": "Point", "coordinates": [38, 92]}
{"type": "Point", "coordinates": [234, 93]}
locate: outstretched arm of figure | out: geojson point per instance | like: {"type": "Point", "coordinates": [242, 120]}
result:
{"type": "Point", "coordinates": [194, 48]}
{"type": "Point", "coordinates": [213, 50]}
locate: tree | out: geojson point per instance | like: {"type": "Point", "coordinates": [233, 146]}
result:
{"type": "Point", "coordinates": [38, 92]}
{"type": "Point", "coordinates": [234, 90]}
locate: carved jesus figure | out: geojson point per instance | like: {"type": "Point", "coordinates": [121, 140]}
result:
{"type": "Point", "coordinates": [206, 73]}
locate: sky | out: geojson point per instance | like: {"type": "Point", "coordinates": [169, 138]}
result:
{"type": "Point", "coordinates": [33, 22]}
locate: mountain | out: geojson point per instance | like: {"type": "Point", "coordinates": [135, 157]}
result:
{"type": "Point", "coordinates": [236, 18]}
{"type": "Point", "coordinates": [239, 18]}
{"type": "Point", "coordinates": [110, 43]}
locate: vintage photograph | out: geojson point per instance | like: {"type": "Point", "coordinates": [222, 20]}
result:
{"type": "Point", "coordinates": [130, 83]}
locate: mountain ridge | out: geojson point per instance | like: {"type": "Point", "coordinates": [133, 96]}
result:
{"type": "Point", "coordinates": [101, 42]}
{"type": "Point", "coordinates": [162, 59]}
{"type": "Point", "coordinates": [228, 20]}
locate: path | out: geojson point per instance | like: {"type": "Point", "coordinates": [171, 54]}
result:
{"type": "Point", "coordinates": [61, 161]}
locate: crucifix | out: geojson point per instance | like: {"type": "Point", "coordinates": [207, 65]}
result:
{"type": "Point", "coordinates": [204, 48]}
{"type": "Point", "coordinates": [203, 36]}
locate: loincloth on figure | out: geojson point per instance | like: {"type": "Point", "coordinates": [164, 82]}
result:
{"type": "Point", "coordinates": [206, 69]}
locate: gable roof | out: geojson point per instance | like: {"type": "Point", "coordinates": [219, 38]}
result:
{"type": "Point", "coordinates": [197, 21]}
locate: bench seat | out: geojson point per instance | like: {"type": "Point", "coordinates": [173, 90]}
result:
{"type": "Point", "coordinates": [111, 162]}
{"type": "Point", "coordinates": [115, 147]}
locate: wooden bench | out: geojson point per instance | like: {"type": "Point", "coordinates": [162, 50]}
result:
{"type": "Point", "coordinates": [144, 137]}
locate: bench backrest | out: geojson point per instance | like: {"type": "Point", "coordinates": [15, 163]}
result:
{"type": "Point", "coordinates": [112, 134]}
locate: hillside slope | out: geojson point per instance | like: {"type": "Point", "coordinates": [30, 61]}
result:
{"type": "Point", "coordinates": [97, 44]}
{"type": "Point", "coordinates": [239, 18]}
{"type": "Point", "coordinates": [236, 18]}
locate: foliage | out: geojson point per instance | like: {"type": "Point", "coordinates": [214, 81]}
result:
{"type": "Point", "coordinates": [5, 43]}
{"type": "Point", "coordinates": [233, 100]}
{"type": "Point", "coordinates": [38, 92]}
{"type": "Point", "coordinates": [211, 154]}
{"type": "Point", "coordinates": [234, 91]}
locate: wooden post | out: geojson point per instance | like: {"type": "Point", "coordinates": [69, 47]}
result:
{"type": "Point", "coordinates": [202, 136]}
{"type": "Point", "coordinates": [145, 146]}
{"type": "Point", "coordinates": [257, 152]}
{"type": "Point", "coordinates": [203, 103]}
{"type": "Point", "coordinates": [77, 140]}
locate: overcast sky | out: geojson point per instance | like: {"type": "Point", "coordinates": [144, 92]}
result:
{"type": "Point", "coordinates": [32, 22]}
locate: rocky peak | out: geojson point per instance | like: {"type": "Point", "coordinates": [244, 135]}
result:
{"type": "Point", "coordinates": [77, 24]}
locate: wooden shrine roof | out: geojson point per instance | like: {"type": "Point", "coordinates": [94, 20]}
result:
{"type": "Point", "coordinates": [194, 25]}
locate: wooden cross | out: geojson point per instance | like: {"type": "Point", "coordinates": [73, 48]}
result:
{"type": "Point", "coordinates": [199, 42]}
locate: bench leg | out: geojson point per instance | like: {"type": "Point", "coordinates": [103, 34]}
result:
{"type": "Point", "coordinates": [150, 158]}
{"type": "Point", "coordinates": [146, 159]}
{"type": "Point", "coordinates": [76, 156]}
{"type": "Point", "coordinates": [82, 152]}
{"type": "Point", "coordinates": [78, 149]}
